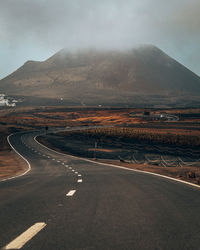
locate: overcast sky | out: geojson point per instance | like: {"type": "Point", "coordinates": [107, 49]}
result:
{"type": "Point", "coordinates": [36, 29]}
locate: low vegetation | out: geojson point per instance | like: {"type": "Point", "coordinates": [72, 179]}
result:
{"type": "Point", "coordinates": [141, 135]}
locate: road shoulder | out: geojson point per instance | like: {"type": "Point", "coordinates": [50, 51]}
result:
{"type": "Point", "coordinates": [165, 172]}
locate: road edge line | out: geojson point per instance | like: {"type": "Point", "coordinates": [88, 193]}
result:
{"type": "Point", "coordinates": [29, 165]}
{"type": "Point", "coordinates": [117, 166]}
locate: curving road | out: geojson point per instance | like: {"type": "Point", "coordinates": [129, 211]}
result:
{"type": "Point", "coordinates": [65, 202]}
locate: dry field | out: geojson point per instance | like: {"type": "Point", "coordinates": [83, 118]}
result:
{"type": "Point", "coordinates": [11, 164]}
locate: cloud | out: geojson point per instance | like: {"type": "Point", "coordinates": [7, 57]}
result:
{"type": "Point", "coordinates": [35, 29]}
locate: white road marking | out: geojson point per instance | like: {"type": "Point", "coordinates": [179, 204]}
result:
{"type": "Point", "coordinates": [23, 238]}
{"type": "Point", "coordinates": [58, 161]}
{"type": "Point", "coordinates": [29, 165]}
{"type": "Point", "coordinates": [73, 170]}
{"type": "Point", "coordinates": [71, 193]}
{"type": "Point", "coordinates": [66, 166]}
{"type": "Point", "coordinates": [79, 175]}
{"type": "Point", "coordinates": [80, 180]}
{"type": "Point", "coordinates": [70, 168]}
{"type": "Point", "coordinates": [63, 163]}
{"type": "Point", "coordinates": [53, 159]}
{"type": "Point", "coordinates": [76, 172]}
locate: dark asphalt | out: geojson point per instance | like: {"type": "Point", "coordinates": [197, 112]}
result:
{"type": "Point", "coordinates": [111, 209]}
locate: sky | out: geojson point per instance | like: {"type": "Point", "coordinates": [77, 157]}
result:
{"type": "Point", "coordinates": [36, 29]}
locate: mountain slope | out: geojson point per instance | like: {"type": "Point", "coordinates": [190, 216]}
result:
{"type": "Point", "coordinates": [91, 76]}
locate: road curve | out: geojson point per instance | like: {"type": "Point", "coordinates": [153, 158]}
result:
{"type": "Point", "coordinates": [65, 202]}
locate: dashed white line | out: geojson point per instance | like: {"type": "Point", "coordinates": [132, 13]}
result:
{"type": "Point", "coordinates": [79, 175]}
{"type": "Point", "coordinates": [23, 238]}
{"type": "Point", "coordinates": [71, 193]}
{"type": "Point", "coordinates": [58, 161]}
{"type": "Point", "coordinates": [73, 170]}
{"type": "Point", "coordinates": [76, 172]}
{"type": "Point", "coordinates": [80, 180]}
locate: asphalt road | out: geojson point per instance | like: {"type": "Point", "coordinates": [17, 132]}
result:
{"type": "Point", "coordinates": [84, 205]}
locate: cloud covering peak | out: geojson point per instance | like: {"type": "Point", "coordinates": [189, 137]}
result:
{"type": "Point", "coordinates": [36, 29]}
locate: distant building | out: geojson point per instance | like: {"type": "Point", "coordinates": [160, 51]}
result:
{"type": "Point", "coordinates": [5, 101]}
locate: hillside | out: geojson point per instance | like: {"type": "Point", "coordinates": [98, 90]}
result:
{"type": "Point", "coordinates": [142, 75]}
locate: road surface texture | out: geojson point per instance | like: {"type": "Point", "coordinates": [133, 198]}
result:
{"type": "Point", "coordinates": [65, 202]}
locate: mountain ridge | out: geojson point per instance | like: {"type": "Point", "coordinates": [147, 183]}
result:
{"type": "Point", "coordinates": [103, 76]}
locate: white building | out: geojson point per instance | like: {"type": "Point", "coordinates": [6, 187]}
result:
{"type": "Point", "coordinates": [5, 102]}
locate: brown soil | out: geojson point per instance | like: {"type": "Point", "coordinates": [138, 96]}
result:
{"type": "Point", "coordinates": [11, 164]}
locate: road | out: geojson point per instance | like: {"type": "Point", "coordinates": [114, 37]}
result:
{"type": "Point", "coordinates": [65, 202]}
